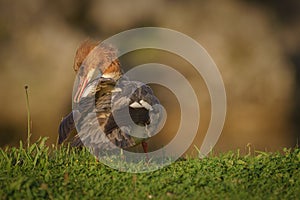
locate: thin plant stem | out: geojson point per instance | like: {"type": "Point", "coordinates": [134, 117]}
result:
{"type": "Point", "coordinates": [28, 117]}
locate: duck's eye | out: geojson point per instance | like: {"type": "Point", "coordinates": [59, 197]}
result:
{"type": "Point", "coordinates": [81, 70]}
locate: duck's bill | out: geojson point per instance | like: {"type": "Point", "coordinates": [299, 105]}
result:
{"type": "Point", "coordinates": [83, 82]}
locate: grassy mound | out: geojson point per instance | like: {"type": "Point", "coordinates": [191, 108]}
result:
{"type": "Point", "coordinates": [62, 173]}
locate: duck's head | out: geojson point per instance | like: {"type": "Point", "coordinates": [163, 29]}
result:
{"type": "Point", "coordinates": [93, 60]}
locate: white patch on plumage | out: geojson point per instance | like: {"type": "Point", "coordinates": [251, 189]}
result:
{"type": "Point", "coordinates": [117, 90]}
{"type": "Point", "coordinates": [146, 105]}
{"type": "Point", "coordinates": [135, 105]}
{"type": "Point", "coordinates": [108, 75]}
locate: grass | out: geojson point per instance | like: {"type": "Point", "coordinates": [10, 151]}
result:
{"type": "Point", "coordinates": [40, 172]}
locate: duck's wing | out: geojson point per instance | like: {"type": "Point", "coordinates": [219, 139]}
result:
{"type": "Point", "coordinates": [66, 126]}
{"type": "Point", "coordinates": [92, 113]}
{"type": "Point", "coordinates": [133, 98]}
{"type": "Point", "coordinates": [134, 108]}
{"type": "Point", "coordinates": [96, 125]}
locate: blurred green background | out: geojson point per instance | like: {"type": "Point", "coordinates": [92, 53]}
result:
{"type": "Point", "coordinates": [255, 44]}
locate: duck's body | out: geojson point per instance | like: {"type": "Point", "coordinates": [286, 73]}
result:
{"type": "Point", "coordinates": [105, 98]}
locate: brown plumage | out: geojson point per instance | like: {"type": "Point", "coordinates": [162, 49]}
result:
{"type": "Point", "coordinates": [104, 97]}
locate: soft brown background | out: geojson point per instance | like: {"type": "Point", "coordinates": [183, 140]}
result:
{"type": "Point", "coordinates": [255, 45]}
